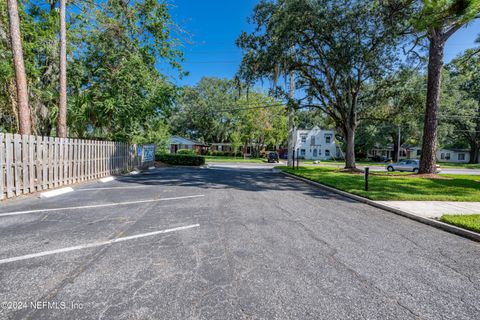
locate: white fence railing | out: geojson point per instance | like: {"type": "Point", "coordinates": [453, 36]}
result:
{"type": "Point", "coordinates": [33, 163]}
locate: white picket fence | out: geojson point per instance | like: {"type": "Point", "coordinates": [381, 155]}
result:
{"type": "Point", "coordinates": [33, 163]}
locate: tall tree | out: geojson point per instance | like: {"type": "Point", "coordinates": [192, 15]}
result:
{"type": "Point", "coordinates": [340, 46]}
{"type": "Point", "coordinates": [62, 105]}
{"type": "Point", "coordinates": [202, 111]}
{"type": "Point", "coordinates": [440, 19]}
{"type": "Point", "coordinates": [116, 90]}
{"type": "Point", "coordinates": [24, 117]}
{"type": "Point", "coordinates": [461, 106]}
{"type": "Point", "coordinates": [396, 110]}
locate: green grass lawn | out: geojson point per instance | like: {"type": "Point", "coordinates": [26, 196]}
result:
{"type": "Point", "coordinates": [232, 159]}
{"type": "Point", "coordinates": [470, 222]}
{"type": "Point", "coordinates": [460, 165]}
{"type": "Point", "coordinates": [336, 163]}
{"type": "Point", "coordinates": [396, 186]}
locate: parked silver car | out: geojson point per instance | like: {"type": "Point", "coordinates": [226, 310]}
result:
{"type": "Point", "coordinates": [410, 165]}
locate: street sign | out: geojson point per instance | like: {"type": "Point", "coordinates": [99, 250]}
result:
{"type": "Point", "coordinates": [148, 153]}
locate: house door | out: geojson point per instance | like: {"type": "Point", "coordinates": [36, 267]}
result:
{"type": "Point", "coordinates": [174, 148]}
{"type": "Point", "coordinates": [315, 153]}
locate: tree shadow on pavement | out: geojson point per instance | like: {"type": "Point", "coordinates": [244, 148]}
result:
{"type": "Point", "coordinates": [252, 180]}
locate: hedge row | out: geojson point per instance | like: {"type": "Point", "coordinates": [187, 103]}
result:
{"type": "Point", "coordinates": [181, 159]}
{"type": "Point", "coordinates": [216, 153]}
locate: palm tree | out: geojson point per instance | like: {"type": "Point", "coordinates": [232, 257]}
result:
{"type": "Point", "coordinates": [24, 120]}
{"type": "Point", "coordinates": [62, 108]}
{"type": "Point", "coordinates": [441, 19]}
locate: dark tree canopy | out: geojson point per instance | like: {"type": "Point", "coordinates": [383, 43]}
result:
{"type": "Point", "coordinates": [338, 47]}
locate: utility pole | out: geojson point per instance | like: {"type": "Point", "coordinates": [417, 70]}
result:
{"type": "Point", "coordinates": [398, 142]}
{"type": "Point", "coordinates": [291, 117]}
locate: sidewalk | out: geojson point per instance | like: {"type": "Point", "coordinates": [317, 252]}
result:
{"type": "Point", "coordinates": [434, 209]}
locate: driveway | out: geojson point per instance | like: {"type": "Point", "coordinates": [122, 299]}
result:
{"type": "Point", "coordinates": [222, 243]}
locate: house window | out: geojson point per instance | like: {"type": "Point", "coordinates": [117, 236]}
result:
{"type": "Point", "coordinates": [302, 152]}
{"type": "Point", "coordinates": [442, 156]}
{"type": "Point", "coordinates": [447, 156]}
{"type": "Point", "coordinates": [312, 141]}
{"type": "Point", "coordinates": [327, 153]}
{"type": "Point", "coordinates": [328, 139]}
{"type": "Point", "coordinates": [315, 153]}
{"type": "Point", "coordinates": [419, 153]}
{"type": "Point", "coordinates": [303, 138]}
{"type": "Point", "coordinates": [461, 156]}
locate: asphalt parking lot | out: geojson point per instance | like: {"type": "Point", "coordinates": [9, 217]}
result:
{"type": "Point", "coordinates": [226, 243]}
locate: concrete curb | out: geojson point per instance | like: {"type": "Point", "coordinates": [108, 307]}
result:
{"type": "Point", "coordinates": [55, 192]}
{"type": "Point", "coordinates": [431, 222]}
{"type": "Point", "coordinates": [106, 179]}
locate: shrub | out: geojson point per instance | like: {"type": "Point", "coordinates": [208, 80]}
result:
{"type": "Point", "coordinates": [187, 151]}
{"type": "Point", "coordinates": [181, 159]}
{"type": "Point", "coordinates": [216, 153]}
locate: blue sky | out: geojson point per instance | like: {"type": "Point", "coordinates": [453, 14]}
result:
{"type": "Point", "coordinates": [214, 25]}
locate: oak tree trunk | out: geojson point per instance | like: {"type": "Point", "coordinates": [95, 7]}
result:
{"type": "Point", "coordinates": [474, 152]}
{"type": "Point", "coordinates": [350, 149]}
{"type": "Point", "coordinates": [395, 148]}
{"type": "Point", "coordinates": [475, 142]}
{"type": "Point", "coordinates": [62, 108]}
{"type": "Point", "coordinates": [24, 115]}
{"type": "Point", "coordinates": [435, 65]}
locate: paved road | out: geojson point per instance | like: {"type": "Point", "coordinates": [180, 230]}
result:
{"type": "Point", "coordinates": [227, 244]}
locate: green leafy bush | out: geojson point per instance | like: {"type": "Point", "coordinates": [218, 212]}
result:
{"type": "Point", "coordinates": [187, 151]}
{"type": "Point", "coordinates": [181, 159]}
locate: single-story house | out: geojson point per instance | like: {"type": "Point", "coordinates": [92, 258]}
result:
{"type": "Point", "coordinates": [448, 155]}
{"type": "Point", "coordinates": [409, 152]}
{"type": "Point", "coordinates": [179, 143]}
{"type": "Point", "coordinates": [387, 152]}
{"type": "Point", "coordinates": [227, 147]}
{"type": "Point", "coordinates": [316, 144]}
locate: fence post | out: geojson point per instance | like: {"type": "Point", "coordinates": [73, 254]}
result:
{"type": "Point", "coordinates": [17, 163]}
{"type": "Point", "coordinates": [2, 161]}
{"type": "Point", "coordinates": [44, 162]}
{"type": "Point", "coordinates": [8, 165]}
{"type": "Point", "coordinates": [25, 165]}
{"type": "Point", "coordinates": [31, 163]}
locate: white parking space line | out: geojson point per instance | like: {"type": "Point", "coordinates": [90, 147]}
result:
{"type": "Point", "coordinates": [113, 188]}
{"type": "Point", "coordinates": [14, 213]}
{"type": "Point", "coordinates": [106, 179]}
{"type": "Point", "coordinates": [54, 193]}
{"type": "Point", "coordinates": [96, 244]}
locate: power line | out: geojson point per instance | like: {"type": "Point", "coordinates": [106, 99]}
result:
{"type": "Point", "coordinates": [256, 107]}
{"type": "Point", "coordinates": [210, 62]}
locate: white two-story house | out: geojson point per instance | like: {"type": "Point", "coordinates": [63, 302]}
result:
{"type": "Point", "coordinates": [316, 144]}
